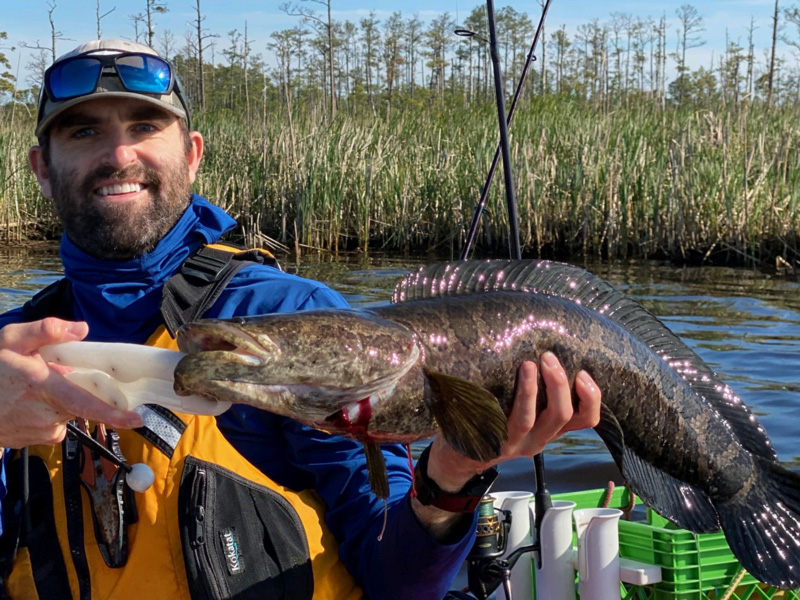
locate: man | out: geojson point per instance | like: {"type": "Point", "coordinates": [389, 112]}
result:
{"type": "Point", "coordinates": [118, 158]}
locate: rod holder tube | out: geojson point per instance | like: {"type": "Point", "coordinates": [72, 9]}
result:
{"type": "Point", "coordinates": [519, 534]}
{"type": "Point", "coordinates": [598, 553]}
{"type": "Point", "coordinates": [555, 578]}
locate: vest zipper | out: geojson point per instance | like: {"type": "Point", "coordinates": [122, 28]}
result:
{"type": "Point", "coordinates": [198, 541]}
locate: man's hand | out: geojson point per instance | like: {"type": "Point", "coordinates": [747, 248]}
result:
{"type": "Point", "coordinates": [36, 401]}
{"type": "Point", "coordinates": [528, 432]}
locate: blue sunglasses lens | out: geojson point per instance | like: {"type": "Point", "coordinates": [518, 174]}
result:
{"type": "Point", "coordinates": [74, 78]}
{"type": "Point", "coordinates": [143, 73]}
{"type": "Point", "coordinates": [138, 72]}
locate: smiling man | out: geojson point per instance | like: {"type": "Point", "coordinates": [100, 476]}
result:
{"type": "Point", "coordinates": [117, 192]}
{"type": "Point", "coordinates": [244, 505]}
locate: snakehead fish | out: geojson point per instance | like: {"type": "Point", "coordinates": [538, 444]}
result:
{"type": "Point", "coordinates": [444, 357]}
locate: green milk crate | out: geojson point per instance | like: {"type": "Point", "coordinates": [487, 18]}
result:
{"type": "Point", "coordinates": [693, 566]}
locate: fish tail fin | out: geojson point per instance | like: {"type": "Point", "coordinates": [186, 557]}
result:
{"type": "Point", "coordinates": [762, 525]}
{"type": "Point", "coordinates": [469, 416]}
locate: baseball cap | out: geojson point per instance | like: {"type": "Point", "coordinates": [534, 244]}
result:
{"type": "Point", "coordinates": [70, 81]}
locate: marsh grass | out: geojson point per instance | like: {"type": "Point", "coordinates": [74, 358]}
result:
{"type": "Point", "coordinates": [683, 183]}
{"type": "Point", "coordinates": [23, 212]}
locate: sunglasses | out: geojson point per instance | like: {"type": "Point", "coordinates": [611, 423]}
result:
{"type": "Point", "coordinates": [80, 75]}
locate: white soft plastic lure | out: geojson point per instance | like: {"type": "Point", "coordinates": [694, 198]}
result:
{"type": "Point", "coordinates": [128, 375]}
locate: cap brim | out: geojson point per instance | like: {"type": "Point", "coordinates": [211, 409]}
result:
{"type": "Point", "coordinates": [59, 108]}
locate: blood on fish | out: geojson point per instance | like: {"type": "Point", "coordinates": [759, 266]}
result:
{"type": "Point", "coordinates": [342, 421]}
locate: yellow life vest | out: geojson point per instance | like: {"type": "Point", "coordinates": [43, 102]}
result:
{"type": "Point", "coordinates": [211, 526]}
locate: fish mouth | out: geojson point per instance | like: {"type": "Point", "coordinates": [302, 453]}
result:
{"type": "Point", "coordinates": [251, 365]}
{"type": "Point", "coordinates": [227, 342]}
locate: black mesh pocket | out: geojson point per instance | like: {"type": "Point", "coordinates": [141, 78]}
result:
{"type": "Point", "coordinates": [240, 540]}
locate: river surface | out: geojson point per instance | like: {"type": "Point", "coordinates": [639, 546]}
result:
{"type": "Point", "coordinates": [745, 324]}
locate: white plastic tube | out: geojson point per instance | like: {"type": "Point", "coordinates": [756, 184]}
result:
{"type": "Point", "coordinates": [555, 580]}
{"type": "Point", "coordinates": [128, 375]}
{"type": "Point", "coordinates": [518, 504]}
{"type": "Point", "coordinates": [123, 362]}
{"type": "Point", "coordinates": [598, 553]}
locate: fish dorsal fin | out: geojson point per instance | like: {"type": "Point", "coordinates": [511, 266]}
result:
{"type": "Point", "coordinates": [582, 287]}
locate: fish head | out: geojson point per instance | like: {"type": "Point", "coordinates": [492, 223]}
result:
{"type": "Point", "coordinates": [305, 365]}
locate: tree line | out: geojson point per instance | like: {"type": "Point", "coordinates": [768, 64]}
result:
{"type": "Point", "coordinates": [377, 64]}
{"type": "Point", "coordinates": [379, 134]}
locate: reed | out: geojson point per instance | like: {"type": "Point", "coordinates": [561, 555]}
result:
{"type": "Point", "coordinates": [23, 211]}
{"type": "Point", "coordinates": [685, 183]}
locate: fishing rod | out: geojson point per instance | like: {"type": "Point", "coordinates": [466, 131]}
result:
{"type": "Point", "coordinates": [481, 206]}
{"type": "Point", "coordinates": [511, 200]}
{"type": "Point", "coordinates": [490, 572]}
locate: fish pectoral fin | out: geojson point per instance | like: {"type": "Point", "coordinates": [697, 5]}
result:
{"type": "Point", "coordinates": [469, 416]}
{"type": "Point", "coordinates": [376, 469]}
{"type": "Point", "coordinates": [685, 505]}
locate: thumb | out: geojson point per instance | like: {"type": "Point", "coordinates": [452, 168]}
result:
{"type": "Point", "coordinates": [26, 338]}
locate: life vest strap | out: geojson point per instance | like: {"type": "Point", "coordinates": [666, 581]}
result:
{"type": "Point", "coordinates": [162, 427]}
{"type": "Point", "coordinates": [53, 301]}
{"type": "Point", "coordinates": [188, 294]}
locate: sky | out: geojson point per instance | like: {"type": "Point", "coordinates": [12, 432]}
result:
{"type": "Point", "coordinates": [25, 21]}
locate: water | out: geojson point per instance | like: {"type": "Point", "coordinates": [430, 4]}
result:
{"type": "Point", "coordinates": [744, 324]}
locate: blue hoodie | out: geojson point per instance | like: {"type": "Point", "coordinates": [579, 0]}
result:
{"type": "Point", "coordinates": [120, 302]}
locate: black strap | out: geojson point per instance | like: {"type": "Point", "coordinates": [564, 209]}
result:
{"type": "Point", "coordinates": [55, 300]}
{"type": "Point", "coordinates": [29, 522]}
{"type": "Point", "coordinates": [14, 513]}
{"type": "Point", "coordinates": [71, 465]}
{"type": "Point", "coordinates": [188, 294]}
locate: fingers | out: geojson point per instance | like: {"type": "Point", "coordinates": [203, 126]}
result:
{"type": "Point", "coordinates": [559, 409]}
{"type": "Point", "coordinates": [530, 431]}
{"type": "Point", "coordinates": [26, 338]}
{"type": "Point", "coordinates": [40, 417]}
{"type": "Point", "coordinates": [37, 400]}
{"type": "Point", "coordinates": [523, 412]}
{"type": "Point", "coordinates": [75, 401]}
{"type": "Point", "coordinates": [39, 424]}
{"type": "Point", "coordinates": [587, 414]}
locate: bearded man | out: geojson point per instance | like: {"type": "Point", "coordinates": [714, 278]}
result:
{"type": "Point", "coordinates": [243, 505]}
